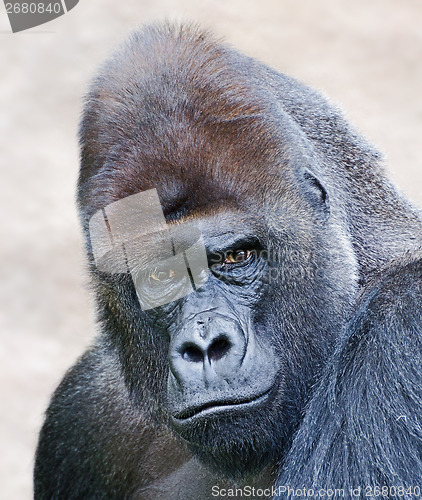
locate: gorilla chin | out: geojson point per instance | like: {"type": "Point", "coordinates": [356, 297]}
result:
{"type": "Point", "coordinates": [236, 438]}
{"type": "Point", "coordinates": [230, 445]}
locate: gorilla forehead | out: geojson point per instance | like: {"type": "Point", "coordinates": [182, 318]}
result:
{"type": "Point", "coordinates": [168, 106]}
{"type": "Point", "coordinates": [194, 162]}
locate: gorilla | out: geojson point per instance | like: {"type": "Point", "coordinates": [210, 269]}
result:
{"type": "Point", "coordinates": [258, 285]}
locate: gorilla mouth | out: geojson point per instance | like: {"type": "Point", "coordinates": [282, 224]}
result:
{"type": "Point", "coordinates": [213, 407]}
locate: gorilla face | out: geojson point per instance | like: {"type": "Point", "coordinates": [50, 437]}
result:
{"type": "Point", "coordinates": [241, 328]}
{"type": "Point", "coordinates": [224, 351]}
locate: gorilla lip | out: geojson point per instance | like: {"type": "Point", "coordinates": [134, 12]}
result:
{"type": "Point", "coordinates": [213, 407]}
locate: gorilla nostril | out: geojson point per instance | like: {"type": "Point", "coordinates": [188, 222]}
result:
{"type": "Point", "coordinates": [192, 353]}
{"type": "Point", "coordinates": [218, 349]}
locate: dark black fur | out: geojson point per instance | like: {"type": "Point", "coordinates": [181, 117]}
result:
{"type": "Point", "coordinates": [363, 427]}
{"type": "Point", "coordinates": [332, 316]}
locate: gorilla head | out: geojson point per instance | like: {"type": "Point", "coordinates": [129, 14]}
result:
{"type": "Point", "coordinates": [223, 344]}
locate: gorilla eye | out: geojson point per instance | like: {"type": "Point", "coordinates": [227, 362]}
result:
{"type": "Point", "coordinates": [161, 276]}
{"type": "Point", "coordinates": [237, 256]}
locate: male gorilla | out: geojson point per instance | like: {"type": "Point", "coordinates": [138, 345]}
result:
{"type": "Point", "coordinates": [295, 361]}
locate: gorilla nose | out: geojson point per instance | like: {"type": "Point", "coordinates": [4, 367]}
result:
{"type": "Point", "coordinates": [208, 341]}
{"type": "Point", "coordinates": [217, 349]}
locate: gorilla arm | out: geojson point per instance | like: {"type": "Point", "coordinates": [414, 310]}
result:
{"type": "Point", "coordinates": [93, 444]}
{"type": "Point", "coordinates": [363, 427]}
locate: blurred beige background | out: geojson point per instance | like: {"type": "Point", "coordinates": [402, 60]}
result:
{"type": "Point", "coordinates": [366, 55]}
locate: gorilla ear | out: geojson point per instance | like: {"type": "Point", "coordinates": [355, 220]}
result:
{"type": "Point", "coordinates": [316, 193]}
